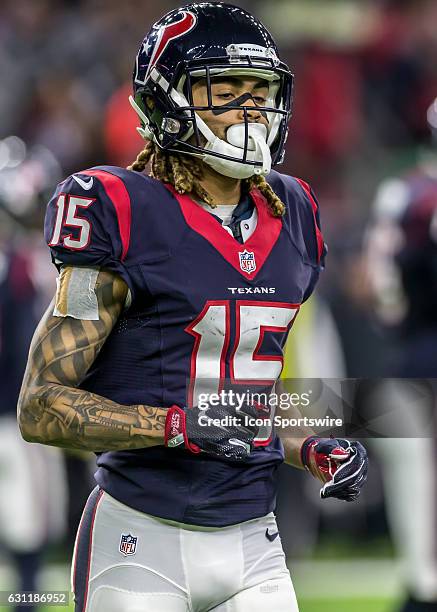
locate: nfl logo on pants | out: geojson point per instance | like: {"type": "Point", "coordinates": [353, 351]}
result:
{"type": "Point", "coordinates": [128, 544]}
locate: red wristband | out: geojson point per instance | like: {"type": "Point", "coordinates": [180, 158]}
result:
{"type": "Point", "coordinates": [307, 444]}
{"type": "Point", "coordinates": [175, 432]}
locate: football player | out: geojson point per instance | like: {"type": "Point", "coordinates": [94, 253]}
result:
{"type": "Point", "coordinates": [174, 286]}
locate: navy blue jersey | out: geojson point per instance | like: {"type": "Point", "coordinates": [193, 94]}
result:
{"type": "Point", "coordinates": [205, 308]}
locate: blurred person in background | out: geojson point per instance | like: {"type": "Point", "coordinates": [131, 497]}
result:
{"type": "Point", "coordinates": [402, 265]}
{"type": "Point", "coordinates": [312, 351]}
{"type": "Point", "coordinates": [152, 271]}
{"type": "Point", "coordinates": [32, 479]}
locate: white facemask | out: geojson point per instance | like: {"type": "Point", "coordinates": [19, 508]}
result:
{"type": "Point", "coordinates": [258, 148]}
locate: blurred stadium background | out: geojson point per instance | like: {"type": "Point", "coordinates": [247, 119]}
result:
{"type": "Point", "coordinates": [366, 73]}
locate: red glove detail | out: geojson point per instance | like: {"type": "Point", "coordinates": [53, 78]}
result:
{"type": "Point", "coordinates": [175, 433]}
{"type": "Point", "coordinates": [324, 461]}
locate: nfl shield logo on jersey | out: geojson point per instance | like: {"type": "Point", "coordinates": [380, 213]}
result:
{"type": "Point", "coordinates": [128, 544]}
{"type": "Point", "coordinates": [247, 261]}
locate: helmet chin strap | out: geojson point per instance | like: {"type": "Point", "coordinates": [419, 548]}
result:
{"type": "Point", "coordinates": [144, 132]}
{"type": "Point", "coordinates": [257, 149]}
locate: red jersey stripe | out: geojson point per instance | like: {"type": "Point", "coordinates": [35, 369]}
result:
{"type": "Point", "coordinates": [118, 194]}
{"type": "Point", "coordinates": [319, 235]}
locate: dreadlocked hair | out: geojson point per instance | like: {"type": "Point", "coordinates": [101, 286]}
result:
{"type": "Point", "coordinates": [184, 172]}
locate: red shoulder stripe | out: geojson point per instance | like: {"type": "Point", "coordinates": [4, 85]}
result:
{"type": "Point", "coordinates": [118, 194]}
{"type": "Point", "coordinates": [319, 236]}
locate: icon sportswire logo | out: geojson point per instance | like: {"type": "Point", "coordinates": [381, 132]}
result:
{"type": "Point", "coordinates": [84, 184]}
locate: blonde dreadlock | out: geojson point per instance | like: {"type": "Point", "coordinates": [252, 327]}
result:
{"type": "Point", "coordinates": [184, 172]}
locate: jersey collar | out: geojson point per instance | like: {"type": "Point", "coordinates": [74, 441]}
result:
{"type": "Point", "coordinates": [247, 258]}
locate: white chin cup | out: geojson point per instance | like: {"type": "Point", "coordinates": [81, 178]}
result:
{"type": "Point", "coordinates": [257, 150]}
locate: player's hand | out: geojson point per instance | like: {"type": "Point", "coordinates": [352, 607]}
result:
{"type": "Point", "coordinates": [231, 439]}
{"type": "Point", "coordinates": [340, 464]}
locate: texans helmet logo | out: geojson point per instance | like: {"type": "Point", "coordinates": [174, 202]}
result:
{"type": "Point", "coordinates": [168, 33]}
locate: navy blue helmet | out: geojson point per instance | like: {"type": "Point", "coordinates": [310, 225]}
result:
{"type": "Point", "coordinates": [203, 41]}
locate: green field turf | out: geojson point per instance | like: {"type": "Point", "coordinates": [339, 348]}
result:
{"type": "Point", "coordinates": [347, 605]}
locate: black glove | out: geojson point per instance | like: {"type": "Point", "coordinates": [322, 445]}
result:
{"type": "Point", "coordinates": [230, 436]}
{"type": "Point", "coordinates": [340, 464]}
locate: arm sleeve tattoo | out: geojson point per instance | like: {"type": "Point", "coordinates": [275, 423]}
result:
{"type": "Point", "coordinates": [51, 410]}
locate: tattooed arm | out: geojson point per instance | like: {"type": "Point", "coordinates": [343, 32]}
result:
{"type": "Point", "coordinates": [51, 410]}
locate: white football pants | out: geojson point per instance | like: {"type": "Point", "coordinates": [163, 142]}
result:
{"type": "Point", "coordinates": [164, 566]}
